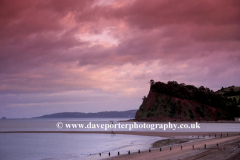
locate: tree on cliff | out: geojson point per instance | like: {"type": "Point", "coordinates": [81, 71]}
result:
{"type": "Point", "coordinates": [152, 82]}
{"type": "Point", "coordinates": [144, 98]}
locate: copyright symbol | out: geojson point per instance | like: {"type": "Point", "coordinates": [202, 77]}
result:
{"type": "Point", "coordinates": [59, 125]}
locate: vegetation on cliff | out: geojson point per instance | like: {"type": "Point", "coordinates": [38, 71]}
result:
{"type": "Point", "coordinates": [181, 102]}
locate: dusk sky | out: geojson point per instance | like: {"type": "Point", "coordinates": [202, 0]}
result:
{"type": "Point", "coordinates": [99, 55]}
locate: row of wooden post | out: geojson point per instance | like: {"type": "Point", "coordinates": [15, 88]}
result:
{"type": "Point", "coordinates": [216, 135]}
{"type": "Point", "coordinates": [205, 146]}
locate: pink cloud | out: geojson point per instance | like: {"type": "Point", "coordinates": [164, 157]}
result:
{"type": "Point", "coordinates": [117, 47]}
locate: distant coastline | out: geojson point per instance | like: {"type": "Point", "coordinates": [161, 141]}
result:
{"type": "Point", "coordinates": [106, 114]}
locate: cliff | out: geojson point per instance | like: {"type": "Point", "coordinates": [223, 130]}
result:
{"type": "Point", "coordinates": [180, 102]}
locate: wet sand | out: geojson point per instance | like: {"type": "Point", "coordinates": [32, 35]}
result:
{"type": "Point", "coordinates": [227, 149]}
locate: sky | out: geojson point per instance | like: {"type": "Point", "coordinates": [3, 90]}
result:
{"type": "Point", "coordinates": [99, 55]}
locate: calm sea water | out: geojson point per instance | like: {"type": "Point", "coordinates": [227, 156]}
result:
{"type": "Point", "coordinates": [65, 146]}
{"type": "Point", "coordinates": [27, 146]}
{"type": "Point", "coordinates": [72, 146]}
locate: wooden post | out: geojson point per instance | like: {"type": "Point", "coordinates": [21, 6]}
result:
{"type": "Point", "coordinates": [128, 152]}
{"type": "Point", "coordinates": [215, 135]}
{"type": "Point", "coordinates": [160, 149]}
{"type": "Point", "coordinates": [221, 134]}
{"type": "Point", "coordinates": [109, 153]}
{"type": "Point", "coordinates": [170, 148]}
{"type": "Point", "coordinates": [149, 150]}
{"type": "Point", "coordinates": [217, 145]}
{"type": "Point", "coordinates": [181, 147]}
{"type": "Point", "coordinates": [138, 151]}
{"type": "Point", "coordinates": [118, 153]}
{"type": "Point", "coordinates": [205, 146]}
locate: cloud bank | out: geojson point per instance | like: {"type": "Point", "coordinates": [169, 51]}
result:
{"type": "Point", "coordinates": [102, 54]}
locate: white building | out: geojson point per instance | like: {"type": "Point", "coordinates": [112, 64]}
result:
{"type": "Point", "coordinates": [237, 119]}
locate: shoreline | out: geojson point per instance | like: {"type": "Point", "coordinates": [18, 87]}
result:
{"type": "Point", "coordinates": [216, 148]}
{"type": "Point", "coordinates": [219, 121]}
{"type": "Point", "coordinates": [134, 120]}
{"type": "Point", "coordinates": [157, 134]}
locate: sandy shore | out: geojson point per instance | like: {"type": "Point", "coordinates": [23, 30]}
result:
{"type": "Point", "coordinates": [227, 149]}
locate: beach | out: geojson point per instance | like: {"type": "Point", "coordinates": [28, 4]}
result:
{"type": "Point", "coordinates": [70, 143]}
{"type": "Point", "coordinates": [225, 147]}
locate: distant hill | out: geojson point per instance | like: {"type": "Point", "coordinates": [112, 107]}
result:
{"type": "Point", "coordinates": [228, 89]}
{"type": "Point", "coordinates": [181, 102]}
{"type": "Point", "coordinates": [231, 92]}
{"type": "Point", "coordinates": [110, 114]}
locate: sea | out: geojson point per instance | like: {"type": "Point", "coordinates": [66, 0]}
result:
{"type": "Point", "coordinates": [56, 144]}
